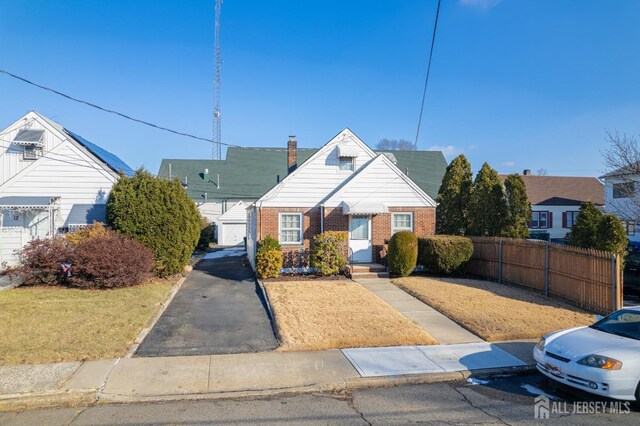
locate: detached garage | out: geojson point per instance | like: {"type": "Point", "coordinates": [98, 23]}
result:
{"type": "Point", "coordinates": [232, 225]}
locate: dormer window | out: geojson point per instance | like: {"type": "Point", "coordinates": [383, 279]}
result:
{"type": "Point", "coordinates": [31, 143]}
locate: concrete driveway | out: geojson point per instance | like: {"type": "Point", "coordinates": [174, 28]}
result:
{"type": "Point", "coordinates": [218, 310]}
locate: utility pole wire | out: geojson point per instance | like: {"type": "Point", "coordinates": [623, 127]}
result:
{"type": "Point", "coordinates": [110, 111]}
{"type": "Point", "coordinates": [426, 80]}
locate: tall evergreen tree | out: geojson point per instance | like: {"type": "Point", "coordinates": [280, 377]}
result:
{"type": "Point", "coordinates": [453, 198]}
{"type": "Point", "coordinates": [611, 235]}
{"type": "Point", "coordinates": [159, 214]}
{"type": "Point", "coordinates": [584, 231]}
{"type": "Point", "coordinates": [519, 207]}
{"type": "Point", "coordinates": [488, 204]}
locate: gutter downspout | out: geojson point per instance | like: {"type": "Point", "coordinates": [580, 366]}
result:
{"type": "Point", "coordinates": [321, 218]}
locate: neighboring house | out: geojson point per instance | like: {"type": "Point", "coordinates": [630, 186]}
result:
{"type": "Point", "coordinates": [555, 202]}
{"type": "Point", "coordinates": [51, 180]}
{"type": "Point", "coordinates": [343, 186]}
{"type": "Point", "coordinates": [621, 198]}
{"type": "Point", "coordinates": [248, 173]}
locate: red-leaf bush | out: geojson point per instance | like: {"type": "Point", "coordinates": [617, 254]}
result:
{"type": "Point", "coordinates": [41, 262]}
{"type": "Point", "coordinates": [110, 261]}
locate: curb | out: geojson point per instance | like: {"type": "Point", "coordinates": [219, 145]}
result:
{"type": "Point", "coordinates": [52, 399]}
{"type": "Point", "coordinates": [93, 397]}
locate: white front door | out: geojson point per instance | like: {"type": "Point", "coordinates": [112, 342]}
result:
{"type": "Point", "coordinates": [360, 247]}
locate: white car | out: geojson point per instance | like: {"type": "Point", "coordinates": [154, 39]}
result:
{"type": "Point", "coordinates": [603, 358]}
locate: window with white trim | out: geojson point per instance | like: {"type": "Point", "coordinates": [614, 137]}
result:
{"type": "Point", "coordinates": [31, 152]}
{"type": "Point", "coordinates": [290, 228]}
{"type": "Point", "coordinates": [630, 227]}
{"type": "Point", "coordinates": [401, 222]}
{"type": "Point", "coordinates": [346, 163]}
{"type": "Point", "coordinates": [539, 220]}
{"type": "Point", "coordinates": [572, 216]}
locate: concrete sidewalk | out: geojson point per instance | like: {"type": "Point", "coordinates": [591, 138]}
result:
{"type": "Point", "coordinates": [234, 375]}
{"type": "Point", "coordinates": [439, 326]}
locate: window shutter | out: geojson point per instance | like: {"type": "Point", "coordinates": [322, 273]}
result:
{"type": "Point", "coordinates": [564, 219]}
{"type": "Point", "coordinates": [550, 220]}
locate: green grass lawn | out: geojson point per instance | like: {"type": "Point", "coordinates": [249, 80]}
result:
{"type": "Point", "coordinates": [54, 324]}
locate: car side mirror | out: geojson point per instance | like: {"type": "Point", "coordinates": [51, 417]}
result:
{"type": "Point", "coordinates": [598, 317]}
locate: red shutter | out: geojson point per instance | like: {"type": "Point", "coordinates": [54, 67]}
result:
{"type": "Point", "coordinates": [564, 219]}
{"type": "Point", "coordinates": [550, 223]}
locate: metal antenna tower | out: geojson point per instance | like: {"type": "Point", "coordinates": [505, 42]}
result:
{"type": "Point", "coordinates": [216, 153]}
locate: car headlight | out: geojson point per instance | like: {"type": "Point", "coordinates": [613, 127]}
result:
{"type": "Point", "coordinates": [599, 361]}
{"type": "Point", "coordinates": [541, 344]}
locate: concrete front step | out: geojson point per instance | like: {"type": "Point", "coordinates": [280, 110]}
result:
{"type": "Point", "coordinates": [368, 267]}
{"type": "Point", "coordinates": [367, 275]}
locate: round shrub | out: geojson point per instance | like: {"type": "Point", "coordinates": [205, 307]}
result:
{"type": "Point", "coordinates": [403, 253]}
{"type": "Point", "coordinates": [328, 252]}
{"type": "Point", "coordinates": [269, 243]}
{"type": "Point", "coordinates": [159, 214]}
{"type": "Point", "coordinates": [40, 262]}
{"type": "Point", "coordinates": [110, 261]}
{"type": "Point", "coordinates": [444, 254]}
{"type": "Point", "coordinates": [268, 263]}
{"type": "Point", "coordinates": [86, 233]}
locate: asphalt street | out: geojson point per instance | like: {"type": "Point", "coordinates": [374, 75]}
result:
{"type": "Point", "coordinates": [488, 401]}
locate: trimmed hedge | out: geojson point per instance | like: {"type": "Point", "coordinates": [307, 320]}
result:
{"type": "Point", "coordinates": [444, 254]}
{"type": "Point", "coordinates": [328, 252]}
{"type": "Point", "coordinates": [403, 253]}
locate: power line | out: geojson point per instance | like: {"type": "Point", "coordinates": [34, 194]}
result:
{"type": "Point", "coordinates": [426, 79]}
{"type": "Point", "coordinates": [110, 111]}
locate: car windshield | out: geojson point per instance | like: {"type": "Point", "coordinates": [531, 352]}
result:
{"type": "Point", "coordinates": [625, 323]}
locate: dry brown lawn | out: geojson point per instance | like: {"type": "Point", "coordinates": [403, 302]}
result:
{"type": "Point", "coordinates": [495, 311]}
{"type": "Point", "coordinates": [54, 324]}
{"type": "Point", "coordinates": [337, 314]}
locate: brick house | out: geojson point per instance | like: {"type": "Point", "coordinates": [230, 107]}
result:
{"type": "Point", "coordinates": [344, 186]}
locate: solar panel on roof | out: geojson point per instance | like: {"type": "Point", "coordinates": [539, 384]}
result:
{"type": "Point", "coordinates": [111, 159]}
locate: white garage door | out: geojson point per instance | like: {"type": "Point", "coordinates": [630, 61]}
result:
{"type": "Point", "coordinates": [233, 233]}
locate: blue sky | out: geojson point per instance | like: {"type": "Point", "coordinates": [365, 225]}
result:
{"type": "Point", "coordinates": [518, 83]}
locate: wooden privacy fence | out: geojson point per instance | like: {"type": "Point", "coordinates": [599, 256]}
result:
{"type": "Point", "coordinates": [590, 279]}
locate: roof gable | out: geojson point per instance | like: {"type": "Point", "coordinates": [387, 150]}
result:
{"type": "Point", "coordinates": [380, 180]}
{"type": "Point", "coordinates": [104, 157]}
{"type": "Point", "coordinates": [237, 213]}
{"type": "Point", "coordinates": [319, 175]}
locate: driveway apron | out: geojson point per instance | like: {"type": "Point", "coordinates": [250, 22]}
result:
{"type": "Point", "coordinates": [218, 310]}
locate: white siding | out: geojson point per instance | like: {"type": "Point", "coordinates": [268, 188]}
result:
{"type": "Point", "coordinates": [11, 240]}
{"type": "Point", "coordinates": [11, 156]}
{"type": "Point", "coordinates": [213, 209]}
{"type": "Point", "coordinates": [627, 209]}
{"type": "Point", "coordinates": [380, 182]}
{"type": "Point", "coordinates": [252, 232]}
{"type": "Point", "coordinates": [318, 176]}
{"type": "Point", "coordinates": [66, 172]}
{"type": "Point", "coordinates": [237, 213]}
{"type": "Point", "coordinates": [557, 231]}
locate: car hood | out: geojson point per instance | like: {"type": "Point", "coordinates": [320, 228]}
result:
{"type": "Point", "coordinates": [586, 341]}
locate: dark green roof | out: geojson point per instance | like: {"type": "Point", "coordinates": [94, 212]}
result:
{"type": "Point", "coordinates": [248, 173]}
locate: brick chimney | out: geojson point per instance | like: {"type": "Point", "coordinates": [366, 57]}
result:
{"type": "Point", "coordinates": [526, 172]}
{"type": "Point", "coordinates": [292, 154]}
